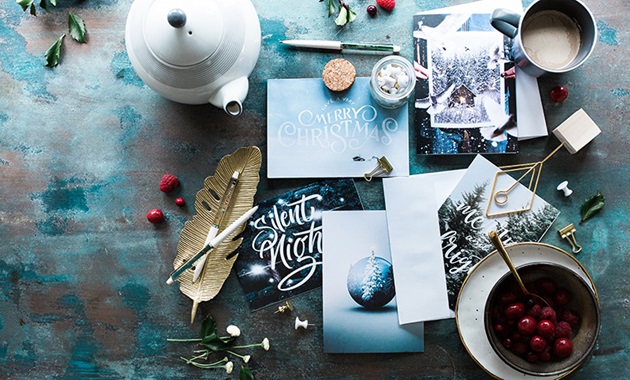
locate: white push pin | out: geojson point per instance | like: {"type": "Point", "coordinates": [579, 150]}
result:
{"type": "Point", "coordinates": [303, 324]}
{"type": "Point", "coordinates": [563, 187]}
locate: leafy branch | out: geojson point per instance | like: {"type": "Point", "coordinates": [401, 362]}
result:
{"type": "Point", "coordinates": [76, 28]}
{"type": "Point", "coordinates": [591, 206]}
{"type": "Point", "coordinates": [343, 11]}
{"type": "Point", "coordinates": [211, 343]}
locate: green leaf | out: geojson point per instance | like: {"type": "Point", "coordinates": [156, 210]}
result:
{"type": "Point", "coordinates": [591, 206]}
{"type": "Point", "coordinates": [24, 4]}
{"type": "Point", "coordinates": [245, 374]}
{"type": "Point", "coordinates": [76, 26]}
{"type": "Point", "coordinates": [33, 10]}
{"type": "Point", "coordinates": [342, 19]}
{"type": "Point", "coordinates": [332, 7]}
{"type": "Point", "coordinates": [54, 52]}
{"type": "Point", "coordinates": [216, 344]}
{"type": "Point", "coordinates": [208, 327]}
{"type": "Point", "coordinates": [351, 15]}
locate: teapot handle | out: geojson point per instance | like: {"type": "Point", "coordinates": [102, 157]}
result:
{"type": "Point", "coordinates": [177, 18]}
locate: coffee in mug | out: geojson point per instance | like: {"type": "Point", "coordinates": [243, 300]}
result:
{"type": "Point", "coordinates": [551, 39]}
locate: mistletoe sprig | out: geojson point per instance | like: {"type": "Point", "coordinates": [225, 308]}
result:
{"type": "Point", "coordinates": [211, 343]}
{"type": "Point", "coordinates": [345, 14]}
{"type": "Point", "coordinates": [76, 28]}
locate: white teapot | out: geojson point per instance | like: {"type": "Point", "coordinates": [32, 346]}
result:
{"type": "Point", "coordinates": [195, 51]}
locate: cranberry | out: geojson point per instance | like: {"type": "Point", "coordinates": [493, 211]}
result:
{"type": "Point", "coordinates": [559, 93]}
{"type": "Point", "coordinates": [515, 310]}
{"type": "Point", "coordinates": [527, 325]}
{"type": "Point", "coordinates": [155, 216]}
{"type": "Point", "coordinates": [537, 343]}
{"type": "Point", "coordinates": [545, 355]}
{"type": "Point", "coordinates": [563, 347]}
{"type": "Point", "coordinates": [546, 329]}
{"type": "Point", "coordinates": [563, 297]}
{"type": "Point", "coordinates": [180, 201]}
{"type": "Point", "coordinates": [371, 10]}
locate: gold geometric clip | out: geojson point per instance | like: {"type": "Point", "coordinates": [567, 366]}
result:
{"type": "Point", "coordinates": [383, 167]}
{"type": "Point", "coordinates": [568, 233]}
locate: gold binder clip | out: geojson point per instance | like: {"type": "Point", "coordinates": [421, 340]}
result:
{"type": "Point", "coordinates": [383, 167]}
{"type": "Point", "coordinates": [568, 233]}
{"type": "Point", "coordinates": [287, 306]}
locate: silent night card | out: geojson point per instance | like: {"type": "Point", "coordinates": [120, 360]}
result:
{"type": "Point", "coordinates": [313, 132]}
{"type": "Point", "coordinates": [465, 99]}
{"type": "Point", "coordinates": [281, 252]}
{"type": "Point", "coordinates": [359, 296]}
{"type": "Point", "coordinates": [464, 225]}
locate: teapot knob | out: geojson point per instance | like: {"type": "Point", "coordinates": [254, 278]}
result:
{"type": "Point", "coordinates": [177, 18]}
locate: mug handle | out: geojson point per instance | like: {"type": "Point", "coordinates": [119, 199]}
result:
{"type": "Point", "coordinates": [505, 21]}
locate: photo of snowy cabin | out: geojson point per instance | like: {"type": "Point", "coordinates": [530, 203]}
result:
{"type": "Point", "coordinates": [462, 96]}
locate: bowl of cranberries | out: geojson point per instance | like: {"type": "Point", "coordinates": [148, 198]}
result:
{"type": "Point", "coordinates": [543, 339]}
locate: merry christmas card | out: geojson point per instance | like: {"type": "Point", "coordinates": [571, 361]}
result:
{"type": "Point", "coordinates": [359, 296]}
{"type": "Point", "coordinates": [464, 225]}
{"type": "Point", "coordinates": [313, 132]}
{"type": "Point", "coordinates": [281, 252]}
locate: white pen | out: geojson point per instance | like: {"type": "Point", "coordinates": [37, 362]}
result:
{"type": "Point", "coordinates": [216, 241]}
{"type": "Point", "coordinates": [226, 199]}
{"type": "Point", "coordinates": [338, 45]}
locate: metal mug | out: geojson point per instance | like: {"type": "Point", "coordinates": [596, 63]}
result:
{"type": "Point", "coordinates": [552, 36]}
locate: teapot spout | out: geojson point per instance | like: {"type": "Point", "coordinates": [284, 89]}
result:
{"type": "Point", "coordinates": [231, 95]}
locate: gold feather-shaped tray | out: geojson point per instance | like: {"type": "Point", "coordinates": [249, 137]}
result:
{"type": "Point", "coordinates": [247, 162]}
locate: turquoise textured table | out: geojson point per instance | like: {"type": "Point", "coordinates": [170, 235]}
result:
{"type": "Point", "coordinates": [84, 145]}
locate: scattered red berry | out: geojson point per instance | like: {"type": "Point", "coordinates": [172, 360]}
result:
{"type": "Point", "coordinates": [386, 4]}
{"type": "Point", "coordinates": [180, 201]}
{"type": "Point", "coordinates": [371, 10]}
{"type": "Point", "coordinates": [532, 357]}
{"type": "Point", "coordinates": [559, 93]}
{"type": "Point", "coordinates": [535, 311]}
{"type": "Point", "coordinates": [563, 347]}
{"type": "Point", "coordinates": [507, 343]}
{"type": "Point", "coordinates": [155, 216]}
{"type": "Point", "coordinates": [537, 343]}
{"type": "Point", "coordinates": [563, 330]}
{"type": "Point", "coordinates": [527, 325]}
{"type": "Point", "coordinates": [515, 310]}
{"type": "Point", "coordinates": [168, 183]}
{"type": "Point", "coordinates": [545, 355]}
{"type": "Point", "coordinates": [546, 329]}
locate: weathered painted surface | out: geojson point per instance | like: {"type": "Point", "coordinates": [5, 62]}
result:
{"type": "Point", "coordinates": [82, 149]}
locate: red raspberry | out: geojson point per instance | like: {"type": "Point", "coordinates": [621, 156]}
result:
{"type": "Point", "coordinates": [546, 286]}
{"type": "Point", "coordinates": [562, 297]}
{"type": "Point", "coordinates": [535, 311]}
{"type": "Point", "coordinates": [548, 313]}
{"type": "Point", "coordinates": [527, 325]}
{"type": "Point", "coordinates": [563, 347]}
{"type": "Point", "coordinates": [563, 330]}
{"type": "Point", "coordinates": [572, 318]}
{"type": "Point", "coordinates": [537, 343]}
{"type": "Point", "coordinates": [180, 201]}
{"type": "Point", "coordinates": [168, 183]}
{"type": "Point", "coordinates": [532, 357]}
{"type": "Point", "coordinates": [515, 310]}
{"type": "Point", "coordinates": [545, 355]}
{"type": "Point", "coordinates": [386, 4]}
{"type": "Point", "coordinates": [155, 216]}
{"type": "Point", "coordinates": [546, 329]}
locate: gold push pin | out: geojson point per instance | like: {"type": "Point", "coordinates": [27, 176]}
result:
{"type": "Point", "coordinates": [383, 167]}
{"type": "Point", "coordinates": [568, 233]}
{"type": "Point", "coordinates": [287, 306]}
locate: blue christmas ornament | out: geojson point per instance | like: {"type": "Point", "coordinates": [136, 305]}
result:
{"type": "Point", "coordinates": [371, 282]}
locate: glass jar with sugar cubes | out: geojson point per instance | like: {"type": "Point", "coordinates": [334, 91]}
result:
{"type": "Point", "coordinates": [393, 80]}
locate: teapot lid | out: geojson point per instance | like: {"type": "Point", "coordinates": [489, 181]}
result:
{"type": "Point", "coordinates": [183, 32]}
